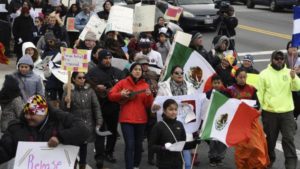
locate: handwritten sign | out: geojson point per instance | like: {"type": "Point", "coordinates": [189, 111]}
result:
{"type": "Point", "coordinates": [120, 19]}
{"type": "Point", "coordinates": [144, 18]}
{"type": "Point", "coordinates": [33, 155]}
{"type": "Point", "coordinates": [95, 25]}
{"type": "Point", "coordinates": [74, 60]}
{"type": "Point", "coordinates": [70, 25]}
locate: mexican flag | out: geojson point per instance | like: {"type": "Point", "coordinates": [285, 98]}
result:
{"type": "Point", "coordinates": [196, 69]}
{"type": "Point", "coordinates": [228, 120]}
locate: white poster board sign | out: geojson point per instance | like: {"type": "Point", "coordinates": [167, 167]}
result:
{"type": "Point", "coordinates": [54, 2]}
{"type": "Point", "coordinates": [119, 63]}
{"type": "Point", "coordinates": [120, 19]}
{"type": "Point", "coordinates": [189, 110]}
{"type": "Point", "coordinates": [144, 18]}
{"type": "Point", "coordinates": [66, 2]}
{"type": "Point", "coordinates": [32, 155]}
{"type": "Point", "coordinates": [95, 25]}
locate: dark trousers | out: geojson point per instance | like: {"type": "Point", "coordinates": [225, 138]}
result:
{"type": "Point", "coordinates": [133, 136]}
{"type": "Point", "coordinates": [281, 122]}
{"type": "Point", "coordinates": [111, 124]}
{"type": "Point", "coordinates": [82, 153]}
{"type": "Point", "coordinates": [151, 122]}
{"type": "Point", "coordinates": [99, 147]}
{"type": "Point", "coordinates": [173, 167]}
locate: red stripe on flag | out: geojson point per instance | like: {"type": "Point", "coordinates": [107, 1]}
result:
{"type": "Point", "coordinates": [240, 126]}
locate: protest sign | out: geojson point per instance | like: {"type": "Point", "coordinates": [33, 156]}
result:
{"type": "Point", "coordinates": [189, 110]}
{"type": "Point", "coordinates": [74, 59]}
{"type": "Point", "coordinates": [68, 2]}
{"type": "Point", "coordinates": [32, 155]}
{"type": "Point", "coordinates": [70, 24]}
{"type": "Point", "coordinates": [60, 74]}
{"type": "Point", "coordinates": [144, 18]}
{"type": "Point", "coordinates": [120, 19]}
{"type": "Point", "coordinates": [173, 12]}
{"type": "Point", "coordinates": [95, 25]}
{"type": "Point", "coordinates": [119, 63]}
{"type": "Point", "coordinates": [2, 8]}
{"type": "Point", "coordinates": [54, 2]}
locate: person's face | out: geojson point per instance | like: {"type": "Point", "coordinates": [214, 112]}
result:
{"type": "Point", "coordinates": [29, 51]}
{"type": "Point", "coordinates": [137, 71]}
{"type": "Point", "coordinates": [74, 8]}
{"type": "Point", "coordinates": [90, 44]}
{"type": "Point", "coordinates": [161, 21]}
{"type": "Point", "coordinates": [217, 84]}
{"type": "Point", "coordinates": [198, 42]}
{"type": "Point", "coordinates": [107, 6]}
{"type": "Point", "coordinates": [171, 111]}
{"type": "Point", "coordinates": [106, 61]}
{"type": "Point", "coordinates": [162, 38]}
{"type": "Point", "coordinates": [241, 78]}
{"type": "Point", "coordinates": [79, 79]}
{"type": "Point", "coordinates": [34, 120]}
{"type": "Point", "coordinates": [86, 9]}
{"type": "Point", "coordinates": [37, 22]}
{"type": "Point", "coordinates": [52, 21]}
{"type": "Point", "coordinates": [247, 63]}
{"type": "Point", "coordinates": [111, 35]}
{"type": "Point", "coordinates": [145, 67]}
{"type": "Point", "coordinates": [278, 61]}
{"type": "Point", "coordinates": [292, 51]}
{"type": "Point", "coordinates": [25, 4]}
{"type": "Point", "coordinates": [225, 63]}
{"type": "Point", "coordinates": [145, 51]}
{"type": "Point", "coordinates": [177, 75]}
{"type": "Point", "coordinates": [224, 45]}
{"type": "Point", "coordinates": [24, 69]}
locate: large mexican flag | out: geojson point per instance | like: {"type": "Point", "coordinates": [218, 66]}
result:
{"type": "Point", "coordinates": [228, 120]}
{"type": "Point", "coordinates": [196, 69]}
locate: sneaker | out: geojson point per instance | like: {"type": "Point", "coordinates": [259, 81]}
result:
{"type": "Point", "coordinates": [219, 162]}
{"type": "Point", "coordinates": [110, 158]}
{"type": "Point", "coordinates": [212, 162]}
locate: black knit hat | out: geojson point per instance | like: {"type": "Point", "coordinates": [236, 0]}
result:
{"type": "Point", "coordinates": [134, 64]}
{"type": "Point", "coordinates": [103, 53]}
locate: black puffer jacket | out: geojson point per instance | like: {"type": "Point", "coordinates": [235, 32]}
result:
{"type": "Point", "coordinates": [160, 135]}
{"type": "Point", "coordinates": [108, 77]}
{"type": "Point", "coordinates": [64, 126]}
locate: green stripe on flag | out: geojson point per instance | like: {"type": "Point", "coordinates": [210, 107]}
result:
{"type": "Point", "coordinates": [179, 57]}
{"type": "Point", "coordinates": [217, 101]}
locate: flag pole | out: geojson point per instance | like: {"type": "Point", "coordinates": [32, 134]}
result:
{"type": "Point", "coordinates": [194, 155]}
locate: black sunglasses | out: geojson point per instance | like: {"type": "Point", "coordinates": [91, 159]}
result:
{"type": "Point", "coordinates": [178, 73]}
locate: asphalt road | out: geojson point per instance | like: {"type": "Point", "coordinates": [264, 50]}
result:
{"type": "Point", "coordinates": [259, 33]}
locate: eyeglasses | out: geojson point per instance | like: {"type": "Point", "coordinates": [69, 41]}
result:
{"type": "Point", "coordinates": [81, 77]}
{"type": "Point", "coordinates": [178, 73]}
{"type": "Point", "coordinates": [278, 58]}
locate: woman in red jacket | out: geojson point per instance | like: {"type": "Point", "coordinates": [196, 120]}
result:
{"type": "Point", "coordinates": [135, 97]}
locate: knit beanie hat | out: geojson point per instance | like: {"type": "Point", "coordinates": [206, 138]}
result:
{"type": "Point", "coordinates": [103, 53]}
{"type": "Point", "coordinates": [90, 36]}
{"type": "Point", "coordinates": [196, 35]}
{"type": "Point", "coordinates": [49, 36]}
{"type": "Point", "coordinates": [36, 105]}
{"type": "Point", "coordinates": [249, 58]}
{"type": "Point", "coordinates": [134, 64]}
{"type": "Point", "coordinates": [27, 60]}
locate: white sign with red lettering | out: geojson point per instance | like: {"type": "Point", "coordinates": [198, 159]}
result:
{"type": "Point", "coordinates": [33, 155]}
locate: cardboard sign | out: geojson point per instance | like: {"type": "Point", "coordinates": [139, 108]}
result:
{"type": "Point", "coordinates": [32, 155]}
{"type": "Point", "coordinates": [68, 2]}
{"type": "Point", "coordinates": [144, 18]}
{"type": "Point", "coordinates": [75, 60]}
{"type": "Point", "coordinates": [70, 25]}
{"type": "Point", "coordinates": [95, 25]}
{"type": "Point", "coordinates": [120, 19]}
{"type": "Point", "coordinates": [173, 12]}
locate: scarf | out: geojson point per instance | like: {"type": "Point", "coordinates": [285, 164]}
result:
{"type": "Point", "coordinates": [178, 89]}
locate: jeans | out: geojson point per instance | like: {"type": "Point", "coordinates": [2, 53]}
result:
{"type": "Point", "coordinates": [133, 136]}
{"type": "Point", "coordinates": [82, 153]}
{"type": "Point", "coordinates": [187, 159]}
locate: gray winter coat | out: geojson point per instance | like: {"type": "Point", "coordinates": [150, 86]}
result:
{"type": "Point", "coordinates": [30, 84]}
{"type": "Point", "coordinates": [85, 105]}
{"type": "Point", "coordinates": [11, 111]}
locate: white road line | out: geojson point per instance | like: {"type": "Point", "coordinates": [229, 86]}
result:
{"type": "Point", "coordinates": [259, 53]}
{"type": "Point", "coordinates": [279, 147]}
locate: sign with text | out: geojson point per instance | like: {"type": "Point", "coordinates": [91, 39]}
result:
{"type": "Point", "coordinates": [70, 25]}
{"type": "Point", "coordinates": [144, 18]}
{"type": "Point", "coordinates": [74, 60]}
{"type": "Point", "coordinates": [95, 25]}
{"type": "Point", "coordinates": [120, 19]}
{"type": "Point", "coordinates": [33, 155]}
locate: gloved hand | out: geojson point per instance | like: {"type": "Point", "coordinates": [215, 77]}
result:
{"type": "Point", "coordinates": [167, 146]}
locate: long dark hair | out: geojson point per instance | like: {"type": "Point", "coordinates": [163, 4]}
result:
{"type": "Point", "coordinates": [10, 89]}
{"type": "Point", "coordinates": [169, 102]}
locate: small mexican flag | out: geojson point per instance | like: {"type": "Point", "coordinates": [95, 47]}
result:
{"type": "Point", "coordinates": [196, 69]}
{"type": "Point", "coordinates": [228, 120]}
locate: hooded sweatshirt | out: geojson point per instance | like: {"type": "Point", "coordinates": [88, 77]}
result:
{"type": "Point", "coordinates": [29, 83]}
